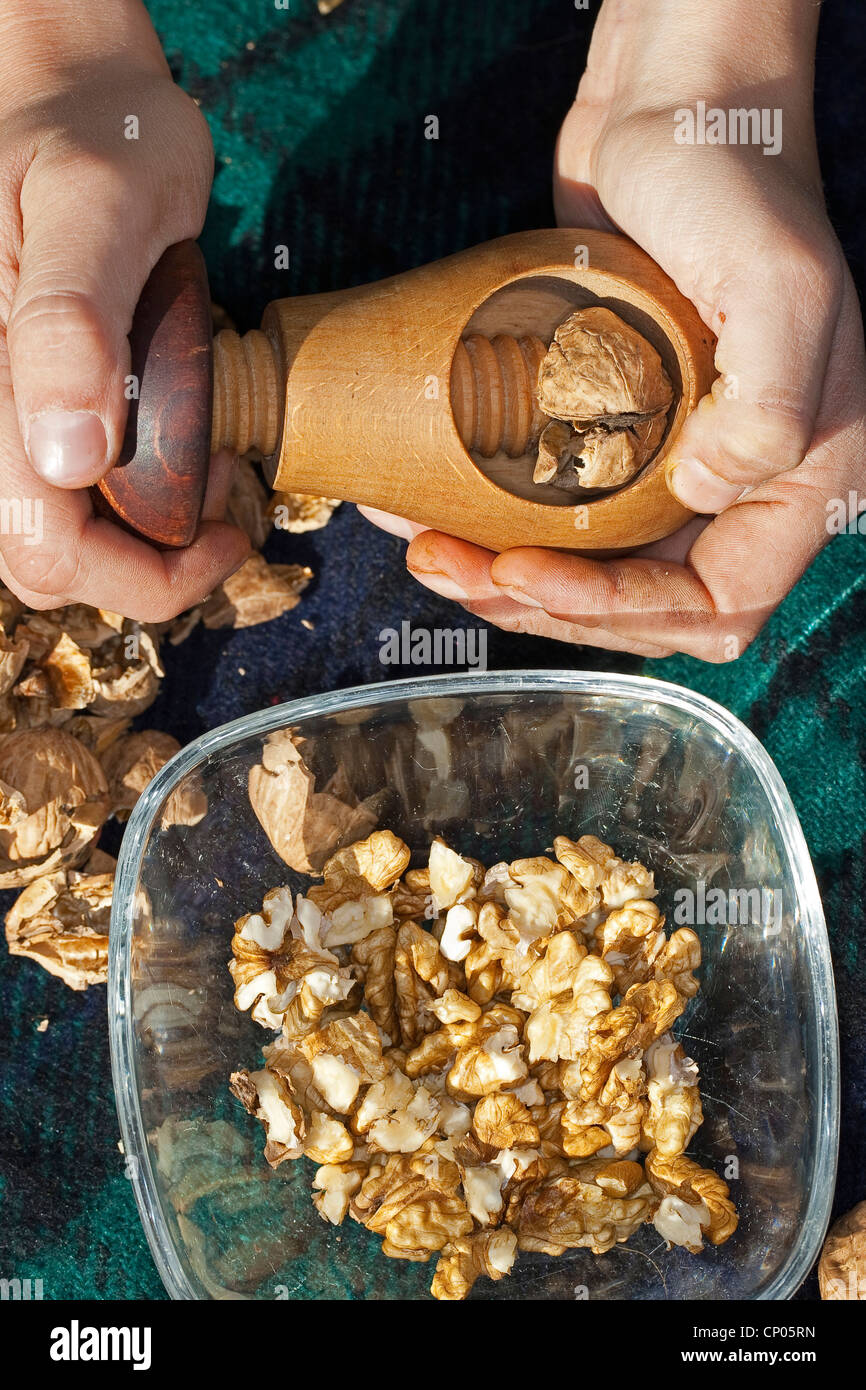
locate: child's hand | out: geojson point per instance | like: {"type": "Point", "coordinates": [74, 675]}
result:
{"type": "Point", "coordinates": [745, 236]}
{"type": "Point", "coordinates": [85, 213]}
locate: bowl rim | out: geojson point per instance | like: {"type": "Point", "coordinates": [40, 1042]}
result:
{"type": "Point", "coordinates": [121, 1020]}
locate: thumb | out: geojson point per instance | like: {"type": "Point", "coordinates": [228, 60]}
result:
{"type": "Point", "coordinates": [776, 319]}
{"type": "Point", "coordinates": [83, 263]}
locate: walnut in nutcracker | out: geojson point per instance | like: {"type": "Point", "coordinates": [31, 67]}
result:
{"type": "Point", "coordinates": [607, 395]}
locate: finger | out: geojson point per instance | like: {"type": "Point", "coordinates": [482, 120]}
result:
{"type": "Point", "coordinates": [98, 564]}
{"type": "Point", "coordinates": [778, 323]}
{"type": "Point", "coordinates": [56, 551]}
{"type": "Point", "coordinates": [221, 476]}
{"type": "Point", "coordinates": [394, 525]}
{"type": "Point", "coordinates": [710, 607]}
{"type": "Point", "coordinates": [643, 600]}
{"type": "Point", "coordinates": [465, 569]}
{"type": "Point", "coordinates": [513, 617]}
{"type": "Point", "coordinates": [467, 574]}
{"type": "Point", "coordinates": [452, 568]}
{"type": "Point", "coordinates": [90, 238]}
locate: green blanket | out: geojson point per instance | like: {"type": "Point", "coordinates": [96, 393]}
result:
{"type": "Point", "coordinates": [318, 124]}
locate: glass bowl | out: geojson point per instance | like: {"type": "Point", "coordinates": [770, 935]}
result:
{"type": "Point", "coordinates": [497, 764]}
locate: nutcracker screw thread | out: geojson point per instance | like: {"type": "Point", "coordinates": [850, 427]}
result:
{"type": "Point", "coordinates": [246, 394]}
{"type": "Point", "coordinates": [493, 393]}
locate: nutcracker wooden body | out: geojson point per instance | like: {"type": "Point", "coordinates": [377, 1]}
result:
{"type": "Point", "coordinates": [414, 394]}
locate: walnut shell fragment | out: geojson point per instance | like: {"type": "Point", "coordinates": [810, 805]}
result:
{"type": "Point", "coordinates": [53, 803]}
{"type": "Point", "coordinates": [131, 763]}
{"type": "Point", "coordinates": [304, 826]}
{"type": "Point", "coordinates": [607, 394]}
{"type": "Point", "coordinates": [257, 593]}
{"type": "Point", "coordinates": [296, 512]}
{"type": "Point", "coordinates": [75, 658]}
{"type": "Point", "coordinates": [842, 1267]}
{"type": "Point", "coordinates": [13, 654]}
{"type": "Point", "coordinates": [61, 921]}
{"type": "Point", "coordinates": [247, 506]}
{"type": "Point", "coordinates": [127, 672]}
{"type": "Point", "coordinates": [70, 674]}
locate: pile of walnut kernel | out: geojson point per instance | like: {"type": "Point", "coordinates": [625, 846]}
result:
{"type": "Point", "coordinates": [503, 1080]}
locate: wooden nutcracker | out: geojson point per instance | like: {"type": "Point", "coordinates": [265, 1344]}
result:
{"type": "Point", "coordinates": [414, 394]}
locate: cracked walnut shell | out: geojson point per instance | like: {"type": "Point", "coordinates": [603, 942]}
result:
{"type": "Point", "coordinates": [61, 921]}
{"type": "Point", "coordinates": [607, 395]}
{"type": "Point", "coordinates": [842, 1268]}
{"type": "Point", "coordinates": [295, 511]}
{"type": "Point", "coordinates": [256, 593]}
{"type": "Point", "coordinates": [53, 803]}
{"type": "Point", "coordinates": [132, 762]}
{"type": "Point", "coordinates": [304, 826]}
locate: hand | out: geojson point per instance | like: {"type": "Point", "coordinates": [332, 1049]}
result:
{"type": "Point", "coordinates": [745, 236]}
{"type": "Point", "coordinates": [85, 213]}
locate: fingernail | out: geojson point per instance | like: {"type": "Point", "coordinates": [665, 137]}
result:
{"type": "Point", "coordinates": [394, 525]}
{"type": "Point", "coordinates": [440, 584]}
{"type": "Point", "coordinates": [67, 447]}
{"type": "Point", "coordinates": [508, 591]}
{"type": "Point", "coordinates": [698, 488]}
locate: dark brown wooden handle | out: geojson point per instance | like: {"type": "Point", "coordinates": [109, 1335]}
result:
{"type": "Point", "coordinates": [157, 486]}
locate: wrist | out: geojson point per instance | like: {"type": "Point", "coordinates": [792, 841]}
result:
{"type": "Point", "coordinates": [654, 56]}
{"type": "Point", "coordinates": [650, 63]}
{"type": "Point", "coordinates": [45, 45]}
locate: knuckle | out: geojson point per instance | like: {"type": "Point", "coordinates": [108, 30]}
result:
{"type": "Point", "coordinates": [91, 182]}
{"type": "Point", "coordinates": [46, 317]}
{"type": "Point", "coordinates": [46, 572]}
{"type": "Point", "coordinates": [776, 431]}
